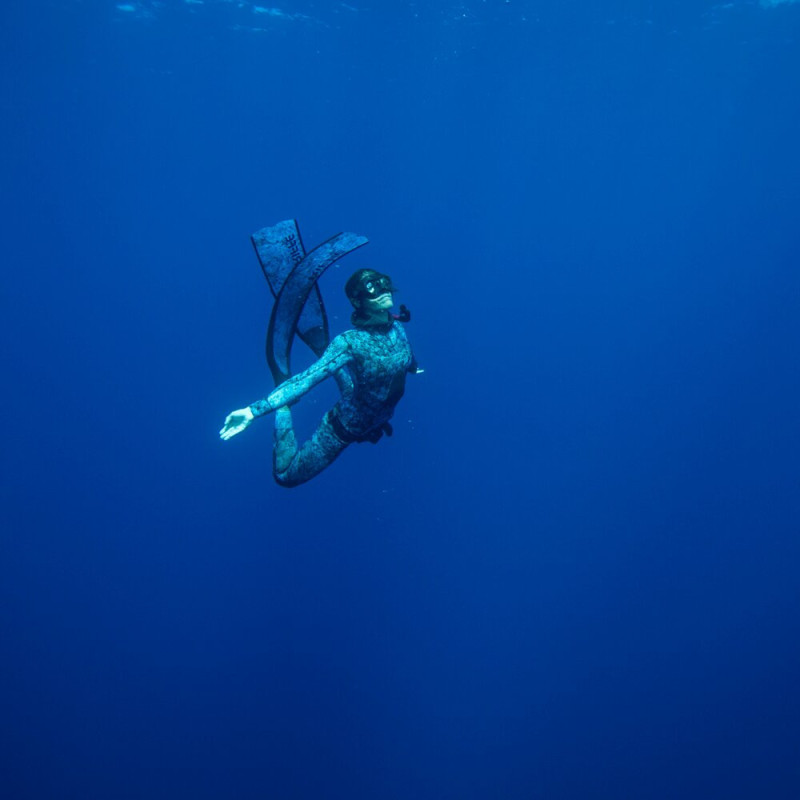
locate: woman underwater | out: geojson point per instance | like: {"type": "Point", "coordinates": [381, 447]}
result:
{"type": "Point", "coordinates": [370, 364]}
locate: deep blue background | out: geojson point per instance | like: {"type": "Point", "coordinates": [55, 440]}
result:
{"type": "Point", "coordinates": [573, 572]}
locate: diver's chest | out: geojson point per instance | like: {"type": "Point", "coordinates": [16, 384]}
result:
{"type": "Point", "coordinates": [383, 354]}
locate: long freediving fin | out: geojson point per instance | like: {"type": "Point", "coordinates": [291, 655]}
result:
{"type": "Point", "coordinates": [292, 275]}
{"type": "Point", "coordinates": [280, 249]}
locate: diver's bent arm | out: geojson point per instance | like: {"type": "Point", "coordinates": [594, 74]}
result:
{"type": "Point", "coordinates": [336, 356]}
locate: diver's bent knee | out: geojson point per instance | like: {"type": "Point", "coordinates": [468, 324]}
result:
{"type": "Point", "coordinates": [287, 480]}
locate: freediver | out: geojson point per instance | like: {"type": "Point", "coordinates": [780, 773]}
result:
{"type": "Point", "coordinates": [370, 363]}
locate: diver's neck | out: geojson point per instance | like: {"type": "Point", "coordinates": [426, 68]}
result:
{"type": "Point", "coordinates": [377, 317]}
{"type": "Point", "coordinates": [372, 319]}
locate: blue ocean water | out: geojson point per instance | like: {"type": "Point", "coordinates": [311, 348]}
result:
{"type": "Point", "coordinates": [573, 570]}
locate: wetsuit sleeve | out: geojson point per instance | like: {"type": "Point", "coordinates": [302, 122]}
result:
{"type": "Point", "coordinates": [413, 366]}
{"type": "Point", "coordinates": [336, 356]}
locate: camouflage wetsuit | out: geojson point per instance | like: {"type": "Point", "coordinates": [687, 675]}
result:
{"type": "Point", "coordinates": [370, 365]}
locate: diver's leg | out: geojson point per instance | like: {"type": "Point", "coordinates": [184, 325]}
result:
{"type": "Point", "coordinates": [285, 447]}
{"type": "Point", "coordinates": [292, 466]}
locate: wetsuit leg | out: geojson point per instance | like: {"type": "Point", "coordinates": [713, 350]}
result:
{"type": "Point", "coordinates": [291, 466]}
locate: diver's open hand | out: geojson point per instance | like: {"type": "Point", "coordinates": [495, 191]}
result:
{"type": "Point", "coordinates": [235, 423]}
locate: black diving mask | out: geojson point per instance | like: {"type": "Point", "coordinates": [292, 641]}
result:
{"type": "Point", "coordinates": [375, 286]}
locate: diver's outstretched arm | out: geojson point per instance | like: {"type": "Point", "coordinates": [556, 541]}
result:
{"type": "Point", "coordinates": [336, 356]}
{"type": "Point", "coordinates": [236, 422]}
